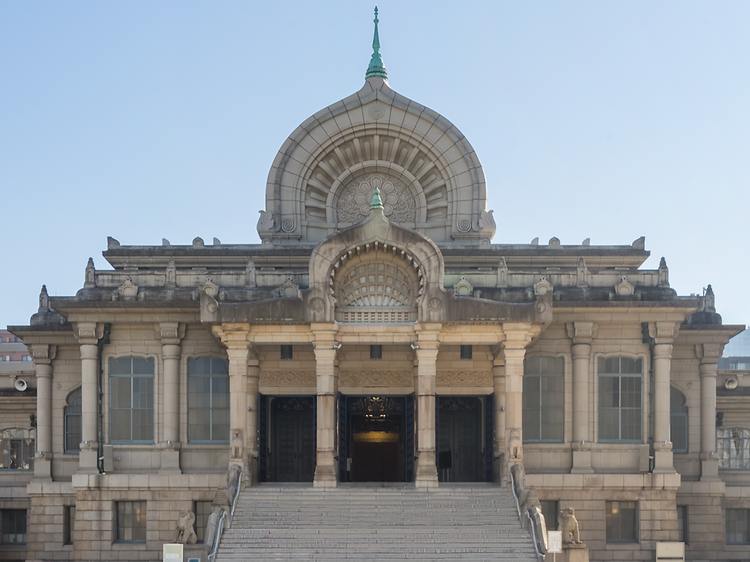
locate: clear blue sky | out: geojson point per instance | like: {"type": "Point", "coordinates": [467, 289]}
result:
{"type": "Point", "coordinates": [143, 120]}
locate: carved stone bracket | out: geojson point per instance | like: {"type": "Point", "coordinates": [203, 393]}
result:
{"type": "Point", "coordinates": [43, 354]}
{"type": "Point", "coordinates": [88, 332]}
{"type": "Point", "coordinates": [663, 332]}
{"type": "Point", "coordinates": [169, 332]}
{"type": "Point", "coordinates": [709, 352]}
{"type": "Point", "coordinates": [581, 332]}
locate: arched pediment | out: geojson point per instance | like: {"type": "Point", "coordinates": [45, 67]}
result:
{"type": "Point", "coordinates": [375, 271]}
{"type": "Point", "coordinates": [429, 176]}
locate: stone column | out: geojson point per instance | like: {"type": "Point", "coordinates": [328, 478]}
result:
{"type": "Point", "coordinates": [662, 435]}
{"type": "Point", "coordinates": [235, 337]}
{"type": "Point", "coordinates": [253, 390]}
{"type": "Point", "coordinates": [43, 356]}
{"type": "Point", "coordinates": [87, 334]}
{"type": "Point", "coordinates": [498, 380]}
{"type": "Point", "coordinates": [170, 334]}
{"type": "Point", "coordinates": [325, 369]}
{"type": "Point", "coordinates": [517, 337]}
{"type": "Point", "coordinates": [709, 354]}
{"type": "Point", "coordinates": [663, 334]}
{"type": "Point", "coordinates": [426, 364]}
{"type": "Point", "coordinates": [582, 334]}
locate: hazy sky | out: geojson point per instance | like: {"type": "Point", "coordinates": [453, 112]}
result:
{"type": "Point", "coordinates": [142, 120]}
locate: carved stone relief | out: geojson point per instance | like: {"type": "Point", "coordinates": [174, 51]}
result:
{"type": "Point", "coordinates": [288, 378]}
{"type": "Point", "coordinates": [468, 378]}
{"type": "Point", "coordinates": [375, 378]}
{"type": "Point", "coordinates": [354, 199]}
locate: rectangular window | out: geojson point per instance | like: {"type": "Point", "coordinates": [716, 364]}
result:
{"type": "Point", "coordinates": [376, 352]}
{"type": "Point", "coordinates": [733, 446]}
{"type": "Point", "coordinates": [738, 526]}
{"type": "Point", "coordinates": [208, 400]}
{"type": "Point", "coordinates": [682, 523]}
{"type": "Point", "coordinates": [130, 521]}
{"type": "Point", "coordinates": [69, 524]}
{"type": "Point", "coordinates": [131, 400]}
{"type": "Point", "coordinates": [202, 512]}
{"type": "Point", "coordinates": [622, 521]}
{"type": "Point", "coordinates": [287, 352]}
{"type": "Point", "coordinates": [550, 511]}
{"type": "Point", "coordinates": [543, 398]}
{"type": "Point", "coordinates": [13, 530]}
{"type": "Point", "coordinates": [620, 399]}
{"type": "Point", "coordinates": [466, 352]}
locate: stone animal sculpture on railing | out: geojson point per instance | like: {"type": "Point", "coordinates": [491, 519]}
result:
{"type": "Point", "coordinates": [568, 524]}
{"type": "Point", "coordinates": [184, 532]}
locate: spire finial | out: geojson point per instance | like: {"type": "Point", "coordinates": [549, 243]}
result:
{"type": "Point", "coordinates": [376, 68]}
{"type": "Point", "coordinates": [377, 202]}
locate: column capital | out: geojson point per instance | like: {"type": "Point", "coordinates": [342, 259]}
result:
{"type": "Point", "coordinates": [709, 352]}
{"type": "Point", "coordinates": [580, 350]}
{"type": "Point", "coordinates": [663, 350]}
{"type": "Point", "coordinates": [88, 332]}
{"type": "Point", "coordinates": [170, 333]}
{"type": "Point", "coordinates": [663, 332]}
{"type": "Point", "coordinates": [234, 336]}
{"type": "Point", "coordinates": [581, 332]}
{"type": "Point", "coordinates": [518, 335]}
{"type": "Point", "coordinates": [43, 354]}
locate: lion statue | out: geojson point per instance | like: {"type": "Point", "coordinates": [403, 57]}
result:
{"type": "Point", "coordinates": [568, 524]}
{"type": "Point", "coordinates": [184, 528]}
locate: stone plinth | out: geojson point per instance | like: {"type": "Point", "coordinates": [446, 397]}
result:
{"type": "Point", "coordinates": [574, 553]}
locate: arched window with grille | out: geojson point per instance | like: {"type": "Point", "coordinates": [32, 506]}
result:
{"type": "Point", "coordinates": [678, 421]}
{"type": "Point", "coordinates": [72, 416]}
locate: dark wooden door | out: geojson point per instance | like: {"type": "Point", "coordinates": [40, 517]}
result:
{"type": "Point", "coordinates": [294, 439]}
{"type": "Point", "coordinates": [459, 433]}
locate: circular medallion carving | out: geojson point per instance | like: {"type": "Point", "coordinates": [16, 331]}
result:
{"type": "Point", "coordinates": [317, 304]}
{"type": "Point", "coordinates": [354, 199]}
{"type": "Point", "coordinates": [541, 307]}
{"type": "Point", "coordinates": [435, 304]}
{"type": "Point", "coordinates": [58, 386]}
{"type": "Point", "coordinates": [464, 225]}
{"type": "Point", "coordinates": [287, 225]}
{"type": "Point", "coordinates": [376, 111]}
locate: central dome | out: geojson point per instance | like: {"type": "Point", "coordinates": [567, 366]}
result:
{"type": "Point", "coordinates": [324, 174]}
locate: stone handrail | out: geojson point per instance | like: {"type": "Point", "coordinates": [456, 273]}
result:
{"type": "Point", "coordinates": [527, 503]}
{"type": "Point", "coordinates": [234, 485]}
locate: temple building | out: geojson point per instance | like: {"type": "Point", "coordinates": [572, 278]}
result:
{"type": "Point", "coordinates": [377, 333]}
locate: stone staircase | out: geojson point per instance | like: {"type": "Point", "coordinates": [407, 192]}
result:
{"type": "Point", "coordinates": [376, 522]}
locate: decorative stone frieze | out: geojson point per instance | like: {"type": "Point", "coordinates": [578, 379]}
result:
{"type": "Point", "coordinates": [375, 378]}
{"type": "Point", "coordinates": [287, 378]}
{"type": "Point", "coordinates": [464, 378]}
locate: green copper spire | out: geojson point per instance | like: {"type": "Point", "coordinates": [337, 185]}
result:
{"type": "Point", "coordinates": [376, 67]}
{"type": "Point", "coordinates": [377, 203]}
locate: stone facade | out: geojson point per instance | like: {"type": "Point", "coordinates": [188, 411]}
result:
{"type": "Point", "coordinates": [376, 320]}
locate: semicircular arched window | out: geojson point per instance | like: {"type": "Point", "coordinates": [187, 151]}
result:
{"type": "Point", "coordinates": [678, 421]}
{"type": "Point", "coordinates": [73, 422]}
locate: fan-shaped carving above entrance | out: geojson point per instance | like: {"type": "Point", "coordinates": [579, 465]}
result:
{"type": "Point", "coordinates": [376, 286]}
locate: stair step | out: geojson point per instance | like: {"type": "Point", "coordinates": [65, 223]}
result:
{"type": "Point", "coordinates": [477, 522]}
